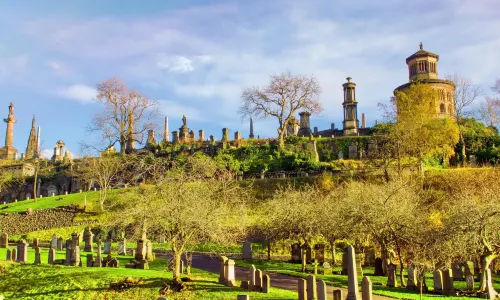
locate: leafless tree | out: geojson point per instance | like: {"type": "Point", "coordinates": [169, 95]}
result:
{"type": "Point", "coordinates": [126, 117]}
{"type": "Point", "coordinates": [466, 93]}
{"type": "Point", "coordinates": [285, 95]}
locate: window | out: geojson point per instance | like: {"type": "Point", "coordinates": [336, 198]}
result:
{"type": "Point", "coordinates": [442, 108]}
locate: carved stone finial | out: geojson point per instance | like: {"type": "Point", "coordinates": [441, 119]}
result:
{"type": "Point", "coordinates": [348, 79]}
{"type": "Point", "coordinates": [421, 46]}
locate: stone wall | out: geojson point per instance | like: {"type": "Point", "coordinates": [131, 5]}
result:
{"type": "Point", "coordinates": [38, 220]}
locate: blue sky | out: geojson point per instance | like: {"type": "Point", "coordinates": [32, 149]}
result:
{"type": "Point", "coordinates": [196, 56]}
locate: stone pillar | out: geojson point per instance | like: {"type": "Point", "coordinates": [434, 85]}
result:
{"type": "Point", "coordinates": [305, 127]}
{"type": "Point", "coordinates": [4, 240]}
{"type": "Point", "coordinates": [353, 290]}
{"type": "Point", "coordinates": [88, 239]}
{"type": "Point", "coordinates": [391, 275]}
{"type": "Point", "coordinates": [201, 133]}
{"type": "Point", "coordinates": [366, 288]}
{"type": "Point", "coordinates": [222, 269]}
{"type": "Point", "coordinates": [230, 275]}
{"type": "Point", "coordinates": [302, 289]}
{"type": "Point", "coordinates": [107, 247]}
{"type": "Point", "coordinates": [266, 284]}
{"type": "Point", "coordinates": [363, 122]}
{"type": "Point", "coordinates": [247, 250]}
{"type": "Point", "coordinates": [22, 252]}
{"type": "Point", "coordinates": [322, 290]}
{"type": "Point", "coordinates": [225, 134]}
{"type": "Point", "coordinates": [175, 136]}
{"type": "Point", "coordinates": [98, 259]}
{"type": "Point", "coordinates": [52, 255]}
{"type": "Point", "coordinates": [37, 256]}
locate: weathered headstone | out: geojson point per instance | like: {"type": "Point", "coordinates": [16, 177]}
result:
{"type": "Point", "coordinates": [366, 288]}
{"type": "Point", "coordinates": [9, 255]}
{"type": "Point", "coordinates": [107, 247]}
{"type": "Point", "coordinates": [337, 294]}
{"type": "Point", "coordinates": [98, 259]}
{"type": "Point", "coordinates": [59, 244]}
{"type": "Point", "coordinates": [90, 260]}
{"type": "Point", "coordinates": [352, 275]}
{"type": "Point", "coordinates": [379, 270]}
{"type": "Point", "coordinates": [312, 293]}
{"type": "Point", "coordinates": [391, 275]}
{"type": "Point", "coordinates": [438, 281]}
{"type": "Point", "coordinates": [37, 256]}
{"type": "Point", "coordinates": [322, 290]}
{"type": "Point", "coordinates": [412, 278]}
{"type": "Point", "coordinates": [319, 253]}
{"type": "Point", "coordinates": [344, 264]}
{"type": "Point", "coordinates": [22, 252]}
{"type": "Point", "coordinates": [222, 269]}
{"type": "Point", "coordinates": [252, 277]}
{"type": "Point", "coordinates": [327, 269]}
{"type": "Point", "coordinates": [353, 151]}
{"type": "Point", "coordinates": [88, 239]}
{"type": "Point", "coordinates": [258, 281]}
{"type": "Point", "coordinates": [75, 256]}
{"type": "Point", "coordinates": [340, 155]}
{"type": "Point", "coordinates": [247, 250]}
{"type": "Point", "coordinates": [295, 252]}
{"type": "Point", "coordinates": [52, 255]}
{"type": "Point", "coordinates": [266, 283]}
{"type": "Point", "coordinates": [448, 288]}
{"type": "Point", "coordinates": [302, 289]}
{"type": "Point", "coordinates": [4, 240]}
{"type": "Point", "coordinates": [243, 297]}
{"type": "Point", "coordinates": [13, 254]}
{"type": "Point", "coordinates": [53, 243]}
{"type": "Point", "coordinates": [230, 274]}
{"type": "Point", "coordinates": [458, 272]}
{"type": "Point", "coordinates": [122, 247]}
{"type": "Point", "coordinates": [469, 279]}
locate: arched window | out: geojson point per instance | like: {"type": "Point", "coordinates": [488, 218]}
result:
{"type": "Point", "coordinates": [442, 108]}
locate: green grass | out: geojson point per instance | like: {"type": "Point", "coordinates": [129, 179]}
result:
{"type": "Point", "coordinates": [378, 282]}
{"type": "Point", "coordinates": [50, 202]}
{"type": "Point", "coordinates": [28, 281]}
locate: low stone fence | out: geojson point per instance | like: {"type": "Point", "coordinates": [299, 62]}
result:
{"type": "Point", "coordinates": [166, 252]}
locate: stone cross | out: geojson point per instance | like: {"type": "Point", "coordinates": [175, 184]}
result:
{"type": "Point", "coordinates": [311, 288]}
{"type": "Point", "coordinates": [366, 289]}
{"type": "Point", "coordinates": [266, 284]}
{"type": "Point", "coordinates": [52, 255]}
{"type": "Point", "coordinates": [438, 281]}
{"type": "Point", "coordinates": [37, 256]}
{"type": "Point", "coordinates": [353, 290]}
{"type": "Point", "coordinates": [302, 289]}
{"type": "Point", "coordinates": [4, 240]}
{"type": "Point", "coordinates": [391, 275]}
{"type": "Point", "coordinates": [322, 290]}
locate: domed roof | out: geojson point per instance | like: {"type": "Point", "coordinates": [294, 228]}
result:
{"type": "Point", "coordinates": [421, 53]}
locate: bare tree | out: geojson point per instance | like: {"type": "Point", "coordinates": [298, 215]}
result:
{"type": "Point", "coordinates": [282, 98]}
{"type": "Point", "coordinates": [127, 114]}
{"type": "Point", "coordinates": [465, 94]}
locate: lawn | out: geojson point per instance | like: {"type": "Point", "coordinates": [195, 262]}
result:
{"type": "Point", "coordinates": [28, 281]}
{"type": "Point", "coordinates": [378, 282]}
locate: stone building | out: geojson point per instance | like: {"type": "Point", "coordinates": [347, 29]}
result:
{"type": "Point", "coordinates": [423, 68]}
{"type": "Point", "coordinates": [8, 151]}
{"type": "Point", "coordinates": [60, 153]}
{"type": "Point", "coordinates": [19, 169]}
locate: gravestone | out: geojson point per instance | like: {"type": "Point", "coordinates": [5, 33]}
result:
{"type": "Point", "coordinates": [122, 247]}
{"type": "Point", "coordinates": [352, 277]}
{"type": "Point", "coordinates": [379, 270]}
{"type": "Point", "coordinates": [9, 255]}
{"type": "Point", "coordinates": [75, 239]}
{"type": "Point", "coordinates": [469, 279]}
{"type": "Point", "coordinates": [52, 255]}
{"type": "Point", "coordinates": [247, 250]}
{"type": "Point", "coordinates": [37, 256]}
{"type": "Point", "coordinates": [295, 252]}
{"type": "Point", "coordinates": [319, 253]}
{"type": "Point", "coordinates": [222, 269]}
{"type": "Point", "coordinates": [22, 252]}
{"type": "Point", "coordinates": [412, 279]}
{"type": "Point", "coordinates": [53, 243]}
{"type": "Point", "coordinates": [13, 254]}
{"type": "Point", "coordinates": [75, 256]}
{"type": "Point", "coordinates": [98, 259]}
{"type": "Point", "coordinates": [90, 260]}
{"type": "Point", "coordinates": [366, 289]}
{"type": "Point", "coordinates": [243, 297]}
{"type": "Point", "coordinates": [230, 275]}
{"type": "Point", "coordinates": [322, 290]}
{"type": "Point", "coordinates": [258, 281]}
{"type": "Point", "coordinates": [340, 155]}
{"type": "Point", "coordinates": [252, 277]}
{"type": "Point", "coordinates": [266, 284]}
{"type": "Point", "coordinates": [353, 151]}
{"type": "Point", "coordinates": [473, 161]}
{"type": "Point", "coordinates": [4, 240]}
{"type": "Point", "coordinates": [391, 275]}
{"type": "Point", "coordinates": [327, 269]}
{"type": "Point", "coordinates": [448, 288]}
{"type": "Point", "coordinates": [458, 273]}
{"type": "Point", "coordinates": [88, 239]}
{"type": "Point", "coordinates": [344, 264]}
{"type": "Point", "coordinates": [337, 294]}
{"type": "Point", "coordinates": [302, 289]}
{"type": "Point", "coordinates": [311, 288]}
{"type": "Point", "coordinates": [59, 244]}
{"type": "Point", "coordinates": [140, 253]}
{"type": "Point", "coordinates": [107, 247]}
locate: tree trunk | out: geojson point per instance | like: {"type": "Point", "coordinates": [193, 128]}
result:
{"type": "Point", "coordinates": [304, 262]}
{"type": "Point", "coordinates": [332, 245]}
{"type": "Point", "coordinates": [385, 258]}
{"type": "Point", "coordinates": [269, 250]}
{"type": "Point", "coordinates": [176, 272]}
{"type": "Point", "coordinates": [464, 156]}
{"type": "Point", "coordinates": [485, 263]}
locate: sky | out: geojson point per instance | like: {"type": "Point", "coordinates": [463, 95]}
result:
{"type": "Point", "coordinates": [195, 57]}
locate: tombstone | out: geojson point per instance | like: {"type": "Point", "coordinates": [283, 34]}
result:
{"type": "Point", "coordinates": [469, 268]}
{"type": "Point", "coordinates": [473, 161]}
{"type": "Point", "coordinates": [9, 255]}
{"type": "Point", "coordinates": [35, 243]}
{"type": "Point", "coordinates": [337, 294]}
{"type": "Point", "coordinates": [222, 269]}
{"type": "Point", "coordinates": [379, 270]}
{"type": "Point", "coordinates": [319, 253]}
{"type": "Point", "coordinates": [122, 247]}
{"type": "Point", "coordinates": [311, 288]}
{"type": "Point", "coordinates": [353, 290]}
{"type": "Point", "coordinates": [366, 288]}
{"type": "Point", "coordinates": [59, 244]}
{"type": "Point", "coordinates": [258, 281]}
{"type": "Point", "coordinates": [53, 243]}
{"type": "Point", "coordinates": [266, 284]}
{"type": "Point", "coordinates": [469, 279]}
{"type": "Point", "coordinates": [302, 289]}
{"type": "Point", "coordinates": [75, 256]}
{"type": "Point", "coordinates": [107, 247]}
{"type": "Point", "coordinates": [75, 239]}
{"type": "Point", "coordinates": [98, 259]}
{"type": "Point", "coordinates": [391, 275]}
{"type": "Point", "coordinates": [90, 260]}
{"type": "Point", "coordinates": [37, 256]}
{"type": "Point", "coordinates": [412, 279]}
{"type": "Point", "coordinates": [229, 273]}
{"type": "Point", "coordinates": [492, 294]}
{"type": "Point", "coordinates": [327, 268]}
{"type": "Point", "coordinates": [322, 290]}
{"type": "Point", "coordinates": [344, 264]}
{"type": "Point", "coordinates": [340, 155]}
{"type": "Point", "coordinates": [242, 297]}
{"type": "Point", "coordinates": [22, 252]}
{"type": "Point", "coordinates": [69, 253]}
{"type": "Point", "coordinates": [247, 250]}
{"type": "Point", "coordinates": [149, 251]}
{"type": "Point", "coordinates": [252, 277]}
{"type": "Point", "coordinates": [88, 239]}
{"type": "Point", "coordinates": [458, 273]}
{"type": "Point", "coordinates": [140, 253]}
{"type": "Point", "coordinates": [4, 240]}
{"type": "Point", "coordinates": [448, 283]}
{"type": "Point", "coordinates": [52, 255]}
{"type": "Point", "coordinates": [295, 252]}
{"type": "Point", "coordinates": [13, 254]}
{"type": "Point", "coordinates": [353, 151]}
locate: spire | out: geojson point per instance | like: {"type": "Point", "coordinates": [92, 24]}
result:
{"type": "Point", "coordinates": [32, 148]}
{"type": "Point", "coordinates": [38, 142]}
{"type": "Point", "coordinates": [251, 128]}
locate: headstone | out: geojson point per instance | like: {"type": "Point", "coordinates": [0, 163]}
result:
{"type": "Point", "coordinates": [242, 297]}
{"type": "Point", "coordinates": [352, 275]}
{"type": "Point", "coordinates": [90, 260]}
{"type": "Point", "coordinates": [337, 294]}
{"type": "Point", "coordinates": [308, 253]}
{"type": "Point", "coordinates": [322, 290]}
{"type": "Point", "coordinates": [302, 289]}
{"type": "Point", "coordinates": [13, 254]}
{"type": "Point", "coordinates": [353, 151]}
{"type": "Point", "coordinates": [98, 259]}
{"type": "Point", "coordinates": [252, 277]}
{"type": "Point", "coordinates": [52, 255]}
{"type": "Point", "coordinates": [22, 252]}
{"type": "Point", "coordinates": [230, 275]}
{"type": "Point", "coordinates": [448, 288]}
{"type": "Point", "coordinates": [37, 256]}
{"type": "Point", "coordinates": [379, 270]}
{"type": "Point", "coordinates": [222, 269]}
{"type": "Point", "coordinates": [319, 253]}
{"type": "Point", "coordinates": [412, 279]}
{"type": "Point", "coordinates": [4, 240]}
{"type": "Point", "coordinates": [247, 250]}
{"type": "Point", "coordinates": [266, 283]}
{"type": "Point", "coordinates": [469, 279]}
{"type": "Point", "coordinates": [59, 244]}
{"type": "Point", "coordinates": [458, 273]}
{"type": "Point", "coordinates": [140, 253]}
{"type": "Point", "coordinates": [75, 256]}
{"type": "Point", "coordinates": [344, 264]}
{"type": "Point", "coordinates": [88, 239]}
{"type": "Point", "coordinates": [311, 288]}
{"type": "Point", "coordinates": [295, 252]}
{"type": "Point", "coordinates": [53, 243]}
{"type": "Point", "coordinates": [9, 255]}
{"type": "Point", "coordinates": [258, 281]}
{"type": "Point", "coordinates": [122, 247]}
{"type": "Point", "coordinates": [473, 161]}
{"type": "Point", "coordinates": [366, 288]}
{"type": "Point", "coordinates": [391, 275]}
{"type": "Point", "coordinates": [327, 268]}
{"type": "Point", "coordinates": [107, 247]}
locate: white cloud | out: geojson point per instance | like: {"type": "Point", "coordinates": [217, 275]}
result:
{"type": "Point", "coordinates": [46, 153]}
{"type": "Point", "coordinates": [175, 110]}
{"type": "Point", "coordinates": [78, 92]}
{"type": "Point", "coordinates": [181, 64]}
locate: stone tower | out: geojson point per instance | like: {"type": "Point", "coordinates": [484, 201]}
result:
{"type": "Point", "coordinates": [59, 151]}
{"type": "Point", "coordinates": [305, 126]}
{"type": "Point", "coordinates": [32, 148]}
{"type": "Point", "coordinates": [8, 151]}
{"type": "Point", "coordinates": [251, 129]}
{"type": "Point", "coordinates": [350, 123]}
{"type": "Point", "coordinates": [423, 68]}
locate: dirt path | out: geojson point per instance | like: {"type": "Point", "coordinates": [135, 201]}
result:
{"type": "Point", "coordinates": [211, 264]}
